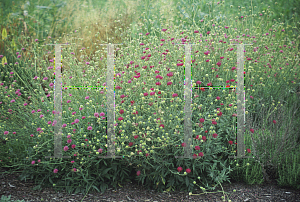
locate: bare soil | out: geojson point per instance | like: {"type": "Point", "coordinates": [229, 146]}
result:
{"type": "Point", "coordinates": [132, 191]}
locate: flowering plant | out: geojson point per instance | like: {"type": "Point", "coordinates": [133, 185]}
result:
{"type": "Point", "coordinates": [149, 110]}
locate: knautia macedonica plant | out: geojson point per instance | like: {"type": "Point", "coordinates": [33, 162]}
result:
{"type": "Point", "coordinates": [149, 103]}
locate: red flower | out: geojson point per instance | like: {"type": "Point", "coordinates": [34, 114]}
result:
{"type": "Point", "coordinates": [188, 170]}
{"type": "Point", "coordinates": [138, 173]}
{"type": "Point", "coordinates": [274, 121]}
{"type": "Point", "coordinates": [200, 154]}
{"type": "Point", "coordinates": [252, 130]}
{"type": "Point", "coordinates": [248, 150]}
{"type": "Point", "coordinates": [197, 147]}
{"type": "Point", "coordinates": [183, 144]}
{"type": "Point", "coordinates": [136, 136]}
{"type": "Point", "coordinates": [130, 144]}
{"type": "Point", "coordinates": [230, 142]}
{"type": "Point", "coordinates": [215, 135]}
{"type": "Point", "coordinates": [200, 125]}
{"type": "Point", "coordinates": [179, 169]}
{"type": "Point", "coordinates": [201, 120]}
{"type": "Point", "coordinates": [204, 137]}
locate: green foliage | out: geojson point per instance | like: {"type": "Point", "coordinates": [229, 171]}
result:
{"type": "Point", "coordinates": [290, 178]}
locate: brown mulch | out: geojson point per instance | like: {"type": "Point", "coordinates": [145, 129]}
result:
{"type": "Point", "coordinates": [10, 185]}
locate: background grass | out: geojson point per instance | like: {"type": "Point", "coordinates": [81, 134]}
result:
{"type": "Point", "coordinates": [184, 12]}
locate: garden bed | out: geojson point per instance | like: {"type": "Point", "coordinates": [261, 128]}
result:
{"type": "Point", "coordinates": [132, 191]}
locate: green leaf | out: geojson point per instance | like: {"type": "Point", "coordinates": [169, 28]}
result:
{"type": "Point", "coordinates": [38, 187]}
{"type": "Point", "coordinates": [50, 180]}
{"type": "Point", "coordinates": [95, 188]}
{"type": "Point", "coordinates": [163, 180]}
{"type": "Point", "coordinates": [171, 182]}
{"type": "Point", "coordinates": [105, 171]}
{"type": "Point", "coordinates": [13, 44]}
{"type": "Point", "coordinates": [187, 182]}
{"type": "Point", "coordinates": [108, 176]}
{"type": "Point", "coordinates": [169, 189]}
{"type": "Point", "coordinates": [143, 179]}
{"type": "Point", "coordinates": [4, 60]}
{"type": "Point", "coordinates": [77, 190]}
{"type": "Point", "coordinates": [4, 34]}
{"type": "Point", "coordinates": [215, 164]}
{"type": "Point", "coordinates": [103, 187]}
{"type": "Point", "coordinates": [211, 174]}
{"type": "Point", "coordinates": [180, 179]}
